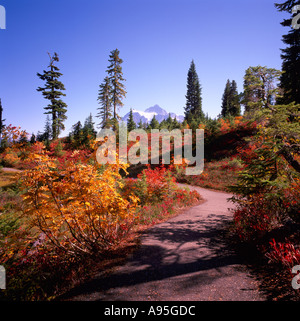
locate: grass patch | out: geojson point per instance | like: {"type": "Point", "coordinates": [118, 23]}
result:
{"type": "Point", "coordinates": [217, 175]}
{"type": "Point", "coordinates": [7, 178]}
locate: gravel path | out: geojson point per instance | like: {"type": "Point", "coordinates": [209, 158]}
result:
{"type": "Point", "coordinates": [184, 258]}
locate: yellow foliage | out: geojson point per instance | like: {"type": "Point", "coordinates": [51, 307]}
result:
{"type": "Point", "coordinates": [79, 208]}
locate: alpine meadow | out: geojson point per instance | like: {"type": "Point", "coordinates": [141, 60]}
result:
{"type": "Point", "coordinates": [146, 151]}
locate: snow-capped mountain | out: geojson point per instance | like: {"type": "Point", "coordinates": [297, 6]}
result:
{"type": "Point", "coordinates": [147, 115]}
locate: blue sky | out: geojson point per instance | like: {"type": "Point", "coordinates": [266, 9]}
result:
{"type": "Point", "coordinates": [157, 40]}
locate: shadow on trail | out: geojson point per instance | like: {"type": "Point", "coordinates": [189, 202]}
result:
{"type": "Point", "coordinates": [152, 262]}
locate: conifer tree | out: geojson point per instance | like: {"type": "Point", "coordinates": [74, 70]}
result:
{"type": "Point", "coordinates": [47, 130]}
{"type": "Point", "coordinates": [77, 135]}
{"type": "Point", "coordinates": [290, 78]}
{"type": "Point", "coordinates": [116, 79]}
{"type": "Point", "coordinates": [175, 124]}
{"type": "Point", "coordinates": [89, 125]}
{"type": "Point", "coordinates": [53, 91]}
{"type": "Point", "coordinates": [260, 88]}
{"type": "Point", "coordinates": [234, 100]}
{"type": "Point", "coordinates": [88, 131]}
{"type": "Point", "coordinates": [131, 125]}
{"type": "Point", "coordinates": [140, 124]}
{"type": "Point", "coordinates": [193, 107]}
{"type": "Point", "coordinates": [32, 139]}
{"type": "Point", "coordinates": [230, 100]}
{"type": "Point", "coordinates": [225, 99]}
{"type": "Point", "coordinates": [104, 98]}
{"type": "Point", "coordinates": [169, 122]}
{"type": "Point", "coordinates": [154, 124]}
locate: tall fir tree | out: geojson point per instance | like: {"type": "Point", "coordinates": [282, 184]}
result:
{"type": "Point", "coordinates": [290, 78]}
{"type": "Point", "coordinates": [32, 139]}
{"type": "Point", "coordinates": [193, 107]}
{"type": "Point", "coordinates": [47, 135]}
{"type": "Point", "coordinates": [169, 122]}
{"type": "Point", "coordinates": [225, 99]}
{"type": "Point", "coordinates": [53, 91]}
{"type": "Point", "coordinates": [116, 79]}
{"type": "Point", "coordinates": [88, 131]}
{"type": "Point", "coordinates": [77, 135]}
{"type": "Point", "coordinates": [131, 125]}
{"type": "Point", "coordinates": [89, 125]}
{"type": "Point", "coordinates": [234, 108]}
{"type": "Point", "coordinates": [154, 124]}
{"type": "Point", "coordinates": [105, 101]}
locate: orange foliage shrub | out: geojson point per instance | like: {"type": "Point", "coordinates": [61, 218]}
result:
{"type": "Point", "coordinates": [78, 209]}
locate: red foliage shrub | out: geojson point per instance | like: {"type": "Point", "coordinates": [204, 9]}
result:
{"type": "Point", "coordinates": [255, 218]}
{"type": "Point", "coordinates": [284, 253]}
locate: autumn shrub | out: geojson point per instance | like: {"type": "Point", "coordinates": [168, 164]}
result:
{"type": "Point", "coordinates": [256, 216]}
{"type": "Point", "coordinates": [153, 185]}
{"type": "Point", "coordinates": [217, 175]}
{"type": "Point", "coordinates": [71, 211]}
{"type": "Point", "coordinates": [152, 213]}
{"type": "Point", "coordinates": [79, 210]}
{"type": "Point", "coordinates": [159, 195]}
{"type": "Point", "coordinates": [291, 200]}
{"type": "Point", "coordinates": [283, 253]}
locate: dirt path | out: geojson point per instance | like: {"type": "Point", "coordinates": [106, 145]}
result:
{"type": "Point", "coordinates": [184, 258]}
{"type": "Point", "coordinates": [10, 170]}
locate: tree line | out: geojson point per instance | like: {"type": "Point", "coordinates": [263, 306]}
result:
{"type": "Point", "coordinates": [263, 87]}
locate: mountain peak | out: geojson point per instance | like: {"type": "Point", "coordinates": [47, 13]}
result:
{"type": "Point", "coordinates": [156, 109]}
{"type": "Point", "coordinates": [147, 115]}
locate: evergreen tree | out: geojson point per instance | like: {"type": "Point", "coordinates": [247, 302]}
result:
{"type": "Point", "coordinates": [116, 81]}
{"type": "Point", "coordinates": [154, 124]}
{"type": "Point", "coordinates": [88, 128]}
{"type": "Point", "coordinates": [52, 91]}
{"type": "Point", "coordinates": [231, 100]}
{"type": "Point", "coordinates": [47, 131]}
{"type": "Point", "coordinates": [104, 98]}
{"type": "Point", "coordinates": [193, 107]}
{"type": "Point", "coordinates": [88, 131]}
{"type": "Point", "coordinates": [225, 99]}
{"type": "Point", "coordinates": [260, 88]}
{"type": "Point", "coordinates": [175, 124]}
{"type": "Point", "coordinates": [184, 125]}
{"type": "Point", "coordinates": [141, 125]}
{"type": "Point", "coordinates": [234, 100]}
{"type": "Point", "coordinates": [290, 78]}
{"type": "Point", "coordinates": [77, 135]}
{"type": "Point", "coordinates": [39, 136]}
{"type": "Point", "coordinates": [32, 139]}
{"type": "Point", "coordinates": [131, 125]}
{"type": "Point", "coordinates": [163, 124]}
{"type": "Point", "coordinates": [169, 122]}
